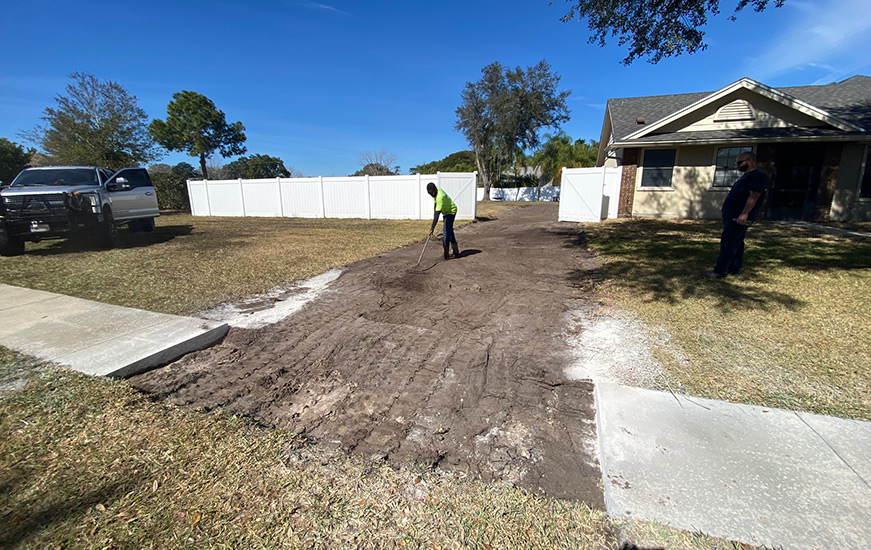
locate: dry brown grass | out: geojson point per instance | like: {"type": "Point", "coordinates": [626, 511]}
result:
{"type": "Point", "coordinates": [792, 332]}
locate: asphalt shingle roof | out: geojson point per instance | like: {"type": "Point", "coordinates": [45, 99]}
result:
{"type": "Point", "coordinates": [849, 100]}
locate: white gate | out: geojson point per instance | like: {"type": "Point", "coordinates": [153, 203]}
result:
{"type": "Point", "coordinates": [589, 194]}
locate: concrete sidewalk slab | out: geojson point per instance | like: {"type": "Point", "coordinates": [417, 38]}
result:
{"type": "Point", "coordinates": [95, 338]}
{"type": "Point", "coordinates": [752, 474]}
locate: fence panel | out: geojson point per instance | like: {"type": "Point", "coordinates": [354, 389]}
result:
{"type": "Point", "coordinates": [462, 187]}
{"type": "Point", "coordinates": [225, 198]}
{"type": "Point", "coordinates": [262, 198]}
{"type": "Point", "coordinates": [302, 198]}
{"type": "Point", "coordinates": [584, 197]}
{"type": "Point", "coordinates": [199, 198]}
{"type": "Point", "coordinates": [393, 197]}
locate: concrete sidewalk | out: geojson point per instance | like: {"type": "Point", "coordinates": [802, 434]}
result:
{"type": "Point", "coordinates": [98, 339]}
{"type": "Point", "coordinates": [756, 475]}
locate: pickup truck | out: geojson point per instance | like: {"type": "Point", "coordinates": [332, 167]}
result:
{"type": "Point", "coordinates": [54, 202]}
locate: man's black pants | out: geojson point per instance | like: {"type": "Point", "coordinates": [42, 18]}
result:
{"type": "Point", "coordinates": [731, 248]}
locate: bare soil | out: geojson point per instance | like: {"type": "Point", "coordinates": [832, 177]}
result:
{"type": "Point", "coordinates": [459, 364]}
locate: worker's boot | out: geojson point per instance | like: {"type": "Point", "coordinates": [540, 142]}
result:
{"type": "Point", "coordinates": [447, 253]}
{"type": "Point", "coordinates": [456, 249]}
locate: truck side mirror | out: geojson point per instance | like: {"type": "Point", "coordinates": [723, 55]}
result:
{"type": "Point", "coordinates": [118, 184]}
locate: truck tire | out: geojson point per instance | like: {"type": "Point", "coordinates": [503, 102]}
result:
{"type": "Point", "coordinates": [143, 224]}
{"type": "Point", "coordinates": [11, 246]}
{"type": "Point", "coordinates": [107, 231]}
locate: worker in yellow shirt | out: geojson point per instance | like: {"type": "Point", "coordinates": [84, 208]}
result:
{"type": "Point", "coordinates": [448, 209]}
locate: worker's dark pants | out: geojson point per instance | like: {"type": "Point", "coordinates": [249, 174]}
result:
{"type": "Point", "coordinates": [449, 229]}
{"type": "Point", "coordinates": [731, 248]}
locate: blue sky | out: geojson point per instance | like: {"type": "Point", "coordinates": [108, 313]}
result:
{"type": "Point", "coordinates": [317, 83]}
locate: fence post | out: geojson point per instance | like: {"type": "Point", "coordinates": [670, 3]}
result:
{"type": "Point", "coordinates": [208, 198]}
{"type": "Point", "coordinates": [280, 198]}
{"type": "Point", "coordinates": [368, 199]}
{"type": "Point", "coordinates": [419, 196]}
{"type": "Point", "coordinates": [242, 197]}
{"type": "Point", "coordinates": [323, 201]}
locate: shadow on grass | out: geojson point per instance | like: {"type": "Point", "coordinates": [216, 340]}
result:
{"type": "Point", "coordinates": [665, 260]}
{"type": "Point", "coordinates": [18, 526]}
{"type": "Point", "coordinates": [126, 240]}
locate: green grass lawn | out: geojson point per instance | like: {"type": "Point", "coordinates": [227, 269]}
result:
{"type": "Point", "coordinates": [794, 331]}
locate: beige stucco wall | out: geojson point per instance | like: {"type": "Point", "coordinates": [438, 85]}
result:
{"type": "Point", "coordinates": [690, 196]}
{"type": "Point", "coordinates": [846, 205]}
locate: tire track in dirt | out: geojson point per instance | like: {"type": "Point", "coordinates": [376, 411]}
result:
{"type": "Point", "coordinates": [460, 366]}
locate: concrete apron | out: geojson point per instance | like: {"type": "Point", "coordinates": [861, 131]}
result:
{"type": "Point", "coordinates": [95, 338]}
{"type": "Point", "coordinates": [757, 475]}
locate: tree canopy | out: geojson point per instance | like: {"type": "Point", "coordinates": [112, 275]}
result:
{"type": "Point", "coordinates": [503, 112]}
{"type": "Point", "coordinates": [461, 161]}
{"type": "Point", "coordinates": [13, 159]}
{"type": "Point", "coordinates": [96, 123]}
{"type": "Point", "coordinates": [652, 28]}
{"type": "Point", "coordinates": [257, 166]}
{"type": "Point", "coordinates": [377, 163]}
{"type": "Point", "coordinates": [194, 125]}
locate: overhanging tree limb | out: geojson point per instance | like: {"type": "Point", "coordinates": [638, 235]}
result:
{"type": "Point", "coordinates": [652, 28]}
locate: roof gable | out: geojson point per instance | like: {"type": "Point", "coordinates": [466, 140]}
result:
{"type": "Point", "coordinates": [726, 95]}
{"type": "Point", "coordinates": [843, 107]}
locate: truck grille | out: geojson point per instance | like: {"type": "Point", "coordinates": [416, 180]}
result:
{"type": "Point", "coordinates": [31, 207]}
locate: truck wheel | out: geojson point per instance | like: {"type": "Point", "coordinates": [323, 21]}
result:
{"type": "Point", "coordinates": [12, 247]}
{"type": "Point", "coordinates": [107, 232]}
{"type": "Point", "coordinates": [147, 225]}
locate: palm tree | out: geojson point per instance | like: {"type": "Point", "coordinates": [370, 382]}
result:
{"type": "Point", "coordinates": [558, 152]}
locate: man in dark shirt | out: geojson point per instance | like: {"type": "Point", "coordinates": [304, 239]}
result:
{"type": "Point", "coordinates": [740, 209]}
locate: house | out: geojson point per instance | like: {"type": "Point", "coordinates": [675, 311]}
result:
{"type": "Point", "coordinates": [678, 152]}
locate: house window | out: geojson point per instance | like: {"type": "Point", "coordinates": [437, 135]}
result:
{"type": "Point", "coordinates": [658, 168]}
{"type": "Point", "coordinates": [865, 190]}
{"type": "Point", "coordinates": [726, 173]}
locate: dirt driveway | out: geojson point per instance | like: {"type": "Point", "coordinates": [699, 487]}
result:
{"type": "Point", "coordinates": [460, 366]}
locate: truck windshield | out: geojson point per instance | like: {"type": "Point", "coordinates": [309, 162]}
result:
{"type": "Point", "coordinates": [64, 176]}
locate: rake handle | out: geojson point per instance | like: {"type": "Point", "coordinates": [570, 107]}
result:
{"type": "Point", "coordinates": [422, 251]}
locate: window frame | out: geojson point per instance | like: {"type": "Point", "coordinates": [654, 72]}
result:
{"type": "Point", "coordinates": [728, 169]}
{"type": "Point", "coordinates": [657, 170]}
{"type": "Point", "coordinates": [863, 191]}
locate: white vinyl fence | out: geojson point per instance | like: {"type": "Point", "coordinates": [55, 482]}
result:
{"type": "Point", "coordinates": [367, 197]}
{"type": "Point", "coordinates": [548, 193]}
{"type": "Point", "coordinates": [589, 194]}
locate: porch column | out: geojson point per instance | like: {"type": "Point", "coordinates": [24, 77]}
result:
{"type": "Point", "coordinates": [828, 181]}
{"type": "Point", "coordinates": [627, 183]}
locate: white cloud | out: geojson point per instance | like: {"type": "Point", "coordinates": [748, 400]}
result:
{"type": "Point", "coordinates": [829, 36]}
{"type": "Point", "coordinates": [324, 7]}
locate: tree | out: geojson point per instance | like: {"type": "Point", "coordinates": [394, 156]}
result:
{"type": "Point", "coordinates": [461, 161]}
{"type": "Point", "coordinates": [96, 123]}
{"type": "Point", "coordinates": [13, 159]}
{"type": "Point", "coordinates": [652, 28]}
{"type": "Point", "coordinates": [505, 110]}
{"type": "Point", "coordinates": [171, 185]}
{"type": "Point", "coordinates": [558, 152]}
{"type": "Point", "coordinates": [377, 163]}
{"type": "Point", "coordinates": [194, 125]}
{"type": "Point", "coordinates": [258, 166]}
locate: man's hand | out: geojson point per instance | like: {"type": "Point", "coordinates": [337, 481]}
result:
{"type": "Point", "coordinates": [742, 219]}
{"type": "Point", "coordinates": [430, 232]}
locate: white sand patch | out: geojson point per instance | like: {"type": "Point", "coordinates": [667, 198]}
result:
{"type": "Point", "coordinates": [273, 306]}
{"type": "Point", "coordinates": [613, 346]}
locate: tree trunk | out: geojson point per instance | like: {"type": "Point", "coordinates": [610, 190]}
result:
{"type": "Point", "coordinates": [485, 176]}
{"type": "Point", "coordinates": [203, 166]}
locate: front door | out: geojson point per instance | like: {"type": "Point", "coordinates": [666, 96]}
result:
{"type": "Point", "coordinates": [797, 177]}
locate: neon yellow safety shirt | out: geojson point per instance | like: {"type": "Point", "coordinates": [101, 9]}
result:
{"type": "Point", "coordinates": [444, 204]}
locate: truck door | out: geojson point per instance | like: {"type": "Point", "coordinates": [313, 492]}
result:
{"type": "Point", "coordinates": [134, 198]}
